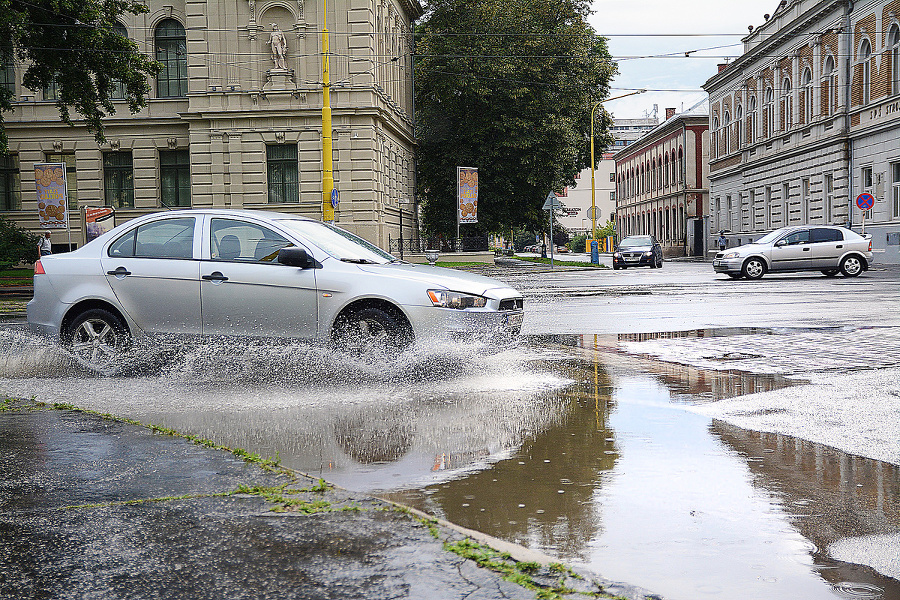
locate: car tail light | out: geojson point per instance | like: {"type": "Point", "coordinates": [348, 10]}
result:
{"type": "Point", "coordinates": [38, 268]}
{"type": "Point", "coordinates": [870, 245]}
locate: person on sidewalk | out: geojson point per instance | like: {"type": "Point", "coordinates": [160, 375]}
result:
{"type": "Point", "coordinates": [45, 247]}
{"type": "Point", "coordinates": [723, 241]}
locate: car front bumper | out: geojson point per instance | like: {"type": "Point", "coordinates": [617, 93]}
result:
{"type": "Point", "coordinates": [728, 265]}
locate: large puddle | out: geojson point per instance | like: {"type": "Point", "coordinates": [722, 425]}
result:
{"type": "Point", "coordinates": [565, 445]}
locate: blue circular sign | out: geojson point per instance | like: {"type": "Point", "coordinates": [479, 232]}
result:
{"type": "Point", "coordinates": [865, 201]}
{"type": "Point", "coordinates": [334, 198]}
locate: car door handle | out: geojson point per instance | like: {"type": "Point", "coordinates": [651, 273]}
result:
{"type": "Point", "coordinates": [839, 246]}
{"type": "Point", "coordinates": [215, 276]}
{"type": "Point", "coordinates": [806, 249]}
{"type": "Point", "coordinates": [119, 272]}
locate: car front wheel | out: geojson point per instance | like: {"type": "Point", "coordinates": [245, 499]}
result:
{"type": "Point", "coordinates": [754, 268]}
{"type": "Point", "coordinates": [98, 340]}
{"type": "Point", "coordinates": [371, 330]}
{"type": "Point", "coordinates": [851, 266]}
{"type": "Point", "coordinates": [830, 272]}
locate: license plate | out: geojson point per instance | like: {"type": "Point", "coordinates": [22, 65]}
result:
{"type": "Point", "coordinates": [716, 263]}
{"type": "Point", "coordinates": [515, 320]}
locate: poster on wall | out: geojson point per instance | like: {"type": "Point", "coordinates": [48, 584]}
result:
{"type": "Point", "coordinates": [467, 194]}
{"type": "Point", "coordinates": [97, 221]}
{"type": "Point", "coordinates": [50, 182]}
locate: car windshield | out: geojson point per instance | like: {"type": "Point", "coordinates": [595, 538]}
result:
{"type": "Point", "coordinates": [338, 243]}
{"type": "Point", "coordinates": [636, 240]}
{"type": "Point", "coordinates": [770, 237]}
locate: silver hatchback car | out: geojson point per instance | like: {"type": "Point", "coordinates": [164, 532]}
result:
{"type": "Point", "coordinates": [824, 248]}
{"type": "Point", "coordinates": [254, 274]}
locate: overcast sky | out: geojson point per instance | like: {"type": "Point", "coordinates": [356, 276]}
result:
{"type": "Point", "coordinates": [642, 28]}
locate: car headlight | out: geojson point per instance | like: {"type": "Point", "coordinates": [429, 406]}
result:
{"type": "Point", "coordinates": [731, 255]}
{"type": "Point", "coordinates": [648, 253]}
{"type": "Point", "coordinates": [447, 299]}
{"type": "Point", "coordinates": [617, 255]}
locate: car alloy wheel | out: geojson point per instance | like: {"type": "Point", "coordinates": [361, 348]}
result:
{"type": "Point", "coordinates": [754, 268]}
{"type": "Point", "coordinates": [851, 266]}
{"type": "Point", "coordinates": [98, 340]}
{"type": "Point", "coordinates": [371, 331]}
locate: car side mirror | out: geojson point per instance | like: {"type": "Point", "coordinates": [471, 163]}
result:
{"type": "Point", "coordinates": [296, 257]}
{"type": "Point", "coordinates": [780, 243]}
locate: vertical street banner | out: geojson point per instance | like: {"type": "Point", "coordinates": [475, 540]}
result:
{"type": "Point", "coordinates": [97, 221]}
{"type": "Point", "coordinates": [467, 194]}
{"type": "Point", "coordinates": [50, 181]}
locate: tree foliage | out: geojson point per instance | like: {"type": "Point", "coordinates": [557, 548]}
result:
{"type": "Point", "coordinates": [506, 86]}
{"type": "Point", "coordinates": [16, 244]}
{"type": "Point", "coordinates": [75, 44]}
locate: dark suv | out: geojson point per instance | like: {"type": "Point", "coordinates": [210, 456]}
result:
{"type": "Point", "coordinates": [638, 251]}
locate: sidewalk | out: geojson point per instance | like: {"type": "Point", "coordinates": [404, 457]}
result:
{"type": "Point", "coordinates": [95, 507]}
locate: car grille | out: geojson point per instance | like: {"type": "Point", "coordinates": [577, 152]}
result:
{"type": "Point", "coordinates": [632, 255]}
{"type": "Point", "coordinates": [511, 304]}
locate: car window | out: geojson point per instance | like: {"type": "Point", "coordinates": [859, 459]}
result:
{"type": "Point", "coordinates": [169, 238]}
{"type": "Point", "coordinates": [245, 242]}
{"type": "Point", "coordinates": [337, 242]}
{"type": "Point", "coordinates": [822, 234]}
{"type": "Point", "coordinates": [636, 241]}
{"type": "Point", "coordinates": [798, 237]}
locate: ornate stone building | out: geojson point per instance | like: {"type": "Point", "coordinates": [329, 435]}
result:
{"type": "Point", "coordinates": [807, 119]}
{"type": "Point", "coordinates": [234, 118]}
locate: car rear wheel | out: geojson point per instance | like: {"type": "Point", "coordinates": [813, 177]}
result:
{"type": "Point", "coordinates": [830, 272]}
{"type": "Point", "coordinates": [754, 268]}
{"type": "Point", "coordinates": [851, 266]}
{"type": "Point", "coordinates": [371, 330]}
{"type": "Point", "coordinates": [98, 340]}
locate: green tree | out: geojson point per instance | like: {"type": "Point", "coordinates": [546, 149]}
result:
{"type": "Point", "coordinates": [16, 244]}
{"type": "Point", "coordinates": [76, 46]}
{"type": "Point", "coordinates": [506, 86]}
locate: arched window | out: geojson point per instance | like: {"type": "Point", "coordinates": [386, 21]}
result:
{"type": "Point", "coordinates": [894, 46]}
{"type": "Point", "coordinates": [865, 62]}
{"type": "Point", "coordinates": [807, 97]}
{"type": "Point", "coordinates": [769, 108]}
{"type": "Point", "coordinates": [118, 88]}
{"type": "Point", "coordinates": [752, 120]}
{"type": "Point", "coordinates": [666, 170]}
{"type": "Point", "coordinates": [787, 118]}
{"type": "Point", "coordinates": [681, 165]}
{"type": "Point", "coordinates": [738, 125]}
{"type": "Point", "coordinates": [829, 87]}
{"type": "Point", "coordinates": [674, 178]}
{"type": "Point", "coordinates": [171, 52]}
{"type": "Point", "coordinates": [714, 138]}
{"type": "Point", "coordinates": [726, 128]}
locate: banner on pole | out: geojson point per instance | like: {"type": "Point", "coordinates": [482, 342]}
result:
{"type": "Point", "coordinates": [50, 182]}
{"type": "Point", "coordinates": [467, 194]}
{"type": "Point", "coordinates": [97, 221]}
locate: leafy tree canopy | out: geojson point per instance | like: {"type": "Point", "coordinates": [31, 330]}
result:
{"type": "Point", "coordinates": [77, 45]}
{"type": "Point", "coordinates": [506, 86]}
{"type": "Point", "coordinates": [17, 245]}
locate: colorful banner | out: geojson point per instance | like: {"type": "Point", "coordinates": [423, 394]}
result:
{"type": "Point", "coordinates": [467, 194]}
{"type": "Point", "coordinates": [50, 182]}
{"type": "Point", "coordinates": [97, 221]}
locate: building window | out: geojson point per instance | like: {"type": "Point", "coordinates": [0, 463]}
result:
{"type": "Point", "coordinates": [118, 88]}
{"type": "Point", "coordinates": [118, 179]}
{"type": "Point", "coordinates": [715, 146]}
{"type": "Point", "coordinates": [894, 45]}
{"type": "Point", "coordinates": [283, 173]}
{"type": "Point", "coordinates": [175, 177]}
{"type": "Point", "coordinates": [865, 58]}
{"type": "Point", "coordinates": [866, 181]}
{"type": "Point", "coordinates": [71, 175]}
{"type": "Point", "coordinates": [171, 52]}
{"type": "Point", "coordinates": [767, 200]}
{"type": "Point", "coordinates": [10, 183]}
{"type": "Point", "coordinates": [51, 92]}
{"type": "Point", "coordinates": [752, 118]}
{"type": "Point", "coordinates": [829, 87]}
{"type": "Point", "coordinates": [726, 127]}
{"type": "Point", "coordinates": [770, 112]}
{"type": "Point", "coordinates": [828, 185]}
{"type": "Point", "coordinates": [785, 203]}
{"type": "Point", "coordinates": [612, 177]}
{"type": "Point", "coordinates": [738, 124]}
{"type": "Point", "coordinates": [895, 190]}
{"type": "Point", "coordinates": [787, 119]}
{"type": "Point", "coordinates": [807, 97]}
{"type": "Point", "coordinates": [7, 72]}
{"type": "Point", "coordinates": [804, 199]}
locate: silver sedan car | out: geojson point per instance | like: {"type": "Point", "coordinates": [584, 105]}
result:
{"type": "Point", "coordinates": [824, 248]}
{"type": "Point", "coordinates": [254, 274]}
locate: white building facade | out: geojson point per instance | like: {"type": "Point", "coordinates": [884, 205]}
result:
{"type": "Point", "coordinates": [229, 125]}
{"type": "Point", "coordinates": [806, 120]}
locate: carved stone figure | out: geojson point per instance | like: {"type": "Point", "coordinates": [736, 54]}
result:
{"type": "Point", "coordinates": [279, 47]}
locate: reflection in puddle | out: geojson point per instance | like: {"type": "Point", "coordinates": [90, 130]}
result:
{"type": "Point", "coordinates": [571, 447]}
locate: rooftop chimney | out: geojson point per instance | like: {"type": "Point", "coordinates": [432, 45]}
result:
{"type": "Point", "coordinates": [670, 112]}
{"type": "Point", "coordinates": [722, 66]}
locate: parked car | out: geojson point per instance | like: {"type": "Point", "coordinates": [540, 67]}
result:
{"type": "Point", "coordinates": [828, 249]}
{"type": "Point", "coordinates": [562, 249]}
{"type": "Point", "coordinates": [254, 274]}
{"type": "Point", "coordinates": [638, 251]}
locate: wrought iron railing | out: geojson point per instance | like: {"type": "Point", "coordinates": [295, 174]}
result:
{"type": "Point", "coordinates": [444, 245]}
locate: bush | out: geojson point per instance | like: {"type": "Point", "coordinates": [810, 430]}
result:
{"type": "Point", "coordinates": [17, 245]}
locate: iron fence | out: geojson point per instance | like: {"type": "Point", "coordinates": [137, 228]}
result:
{"type": "Point", "coordinates": [443, 245]}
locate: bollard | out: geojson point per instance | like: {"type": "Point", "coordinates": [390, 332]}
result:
{"type": "Point", "coordinates": [595, 253]}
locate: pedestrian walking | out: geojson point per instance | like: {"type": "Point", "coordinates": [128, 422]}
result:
{"type": "Point", "coordinates": [723, 241]}
{"type": "Point", "coordinates": [44, 246]}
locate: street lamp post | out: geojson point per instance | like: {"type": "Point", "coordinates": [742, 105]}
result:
{"type": "Point", "coordinates": [594, 108]}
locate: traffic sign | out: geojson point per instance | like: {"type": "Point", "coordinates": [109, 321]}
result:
{"type": "Point", "coordinates": [865, 201]}
{"type": "Point", "coordinates": [593, 213]}
{"type": "Point", "coordinates": [552, 202]}
{"type": "Point", "coordinates": [334, 198]}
